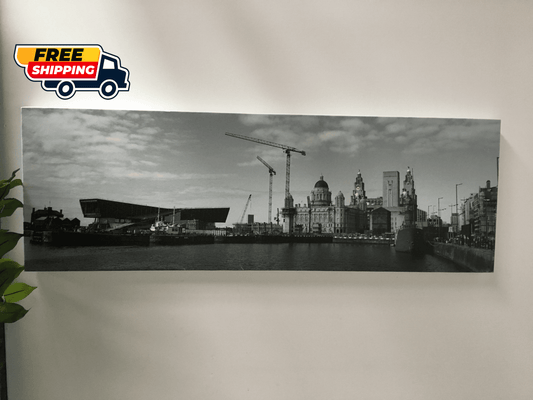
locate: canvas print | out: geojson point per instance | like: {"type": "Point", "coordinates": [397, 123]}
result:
{"type": "Point", "coordinates": [144, 190]}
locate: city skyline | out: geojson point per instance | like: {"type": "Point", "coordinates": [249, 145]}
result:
{"type": "Point", "coordinates": [184, 160]}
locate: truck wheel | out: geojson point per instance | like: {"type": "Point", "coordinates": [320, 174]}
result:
{"type": "Point", "coordinates": [65, 90]}
{"type": "Point", "coordinates": [108, 89]}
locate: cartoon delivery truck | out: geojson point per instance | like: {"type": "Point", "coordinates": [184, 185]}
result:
{"type": "Point", "coordinates": [66, 69]}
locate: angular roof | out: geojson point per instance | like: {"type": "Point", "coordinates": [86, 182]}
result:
{"type": "Point", "coordinates": [99, 208]}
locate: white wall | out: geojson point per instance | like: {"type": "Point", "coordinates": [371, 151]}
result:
{"type": "Point", "coordinates": [285, 335]}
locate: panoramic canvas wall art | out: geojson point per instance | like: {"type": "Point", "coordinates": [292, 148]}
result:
{"type": "Point", "coordinates": [139, 190]}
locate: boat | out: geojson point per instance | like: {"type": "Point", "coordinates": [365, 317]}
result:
{"type": "Point", "coordinates": [410, 240]}
{"type": "Point", "coordinates": [161, 226]}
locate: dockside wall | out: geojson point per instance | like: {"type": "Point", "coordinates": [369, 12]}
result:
{"type": "Point", "coordinates": [475, 260]}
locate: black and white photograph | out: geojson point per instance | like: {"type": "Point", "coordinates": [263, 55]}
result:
{"type": "Point", "coordinates": [292, 200]}
{"type": "Point", "coordinates": [147, 190]}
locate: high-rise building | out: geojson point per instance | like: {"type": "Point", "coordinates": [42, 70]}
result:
{"type": "Point", "coordinates": [479, 212]}
{"type": "Point", "coordinates": [391, 189]}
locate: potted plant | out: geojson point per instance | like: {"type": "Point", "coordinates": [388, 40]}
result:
{"type": "Point", "coordinates": [10, 293]}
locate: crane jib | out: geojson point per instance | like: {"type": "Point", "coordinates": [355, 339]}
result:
{"type": "Point", "coordinates": [266, 142]}
{"type": "Point", "coordinates": [287, 150]}
{"type": "Point", "coordinates": [270, 169]}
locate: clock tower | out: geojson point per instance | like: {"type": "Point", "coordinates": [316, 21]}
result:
{"type": "Point", "coordinates": [409, 199]}
{"type": "Point", "coordinates": [359, 194]}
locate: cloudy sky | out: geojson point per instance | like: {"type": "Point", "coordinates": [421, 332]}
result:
{"type": "Point", "coordinates": [171, 159]}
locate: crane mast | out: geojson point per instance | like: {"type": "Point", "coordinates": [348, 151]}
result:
{"type": "Point", "coordinates": [270, 172]}
{"type": "Point", "coordinates": [286, 149]}
{"type": "Point", "coordinates": [245, 208]}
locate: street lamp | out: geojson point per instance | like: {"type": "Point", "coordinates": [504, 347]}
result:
{"type": "Point", "coordinates": [438, 211]}
{"type": "Point", "coordinates": [456, 204]}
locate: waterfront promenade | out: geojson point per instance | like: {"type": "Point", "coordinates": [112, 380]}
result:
{"type": "Point", "coordinates": [472, 258]}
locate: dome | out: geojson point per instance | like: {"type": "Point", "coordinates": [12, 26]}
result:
{"type": "Point", "coordinates": [321, 183]}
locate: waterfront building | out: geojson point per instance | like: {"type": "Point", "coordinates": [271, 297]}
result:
{"type": "Point", "coordinates": [391, 189]}
{"type": "Point", "coordinates": [479, 212]}
{"type": "Point", "coordinates": [372, 203]}
{"type": "Point", "coordinates": [114, 215]}
{"type": "Point", "coordinates": [421, 215]}
{"type": "Point", "coordinates": [256, 228]}
{"type": "Point", "coordinates": [434, 220]}
{"type": "Point", "coordinates": [366, 205]}
{"type": "Point", "coordinates": [387, 213]}
{"type": "Point", "coordinates": [322, 215]}
{"type": "Point", "coordinates": [358, 198]}
{"type": "Point", "coordinates": [288, 212]}
{"type": "Point", "coordinates": [397, 218]}
{"type": "Point", "coordinates": [454, 220]}
{"type": "Point", "coordinates": [380, 221]}
{"type": "Point", "coordinates": [403, 207]}
{"type": "Point", "coordinates": [50, 219]}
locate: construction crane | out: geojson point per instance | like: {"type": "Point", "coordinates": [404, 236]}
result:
{"type": "Point", "coordinates": [245, 208]}
{"type": "Point", "coordinates": [286, 149]}
{"type": "Point", "coordinates": [270, 172]}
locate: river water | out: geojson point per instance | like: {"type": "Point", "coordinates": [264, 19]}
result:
{"type": "Point", "coordinates": [229, 256]}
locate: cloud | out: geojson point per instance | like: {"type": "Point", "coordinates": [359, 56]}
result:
{"type": "Point", "coordinates": [150, 175]}
{"type": "Point", "coordinates": [395, 128]}
{"type": "Point", "coordinates": [148, 131]}
{"type": "Point", "coordinates": [299, 121]}
{"type": "Point", "coordinates": [351, 135]}
{"type": "Point", "coordinates": [254, 120]}
{"type": "Point", "coordinates": [307, 133]}
{"type": "Point", "coordinates": [453, 135]}
{"type": "Point", "coordinates": [272, 155]}
{"type": "Point", "coordinates": [401, 139]}
{"type": "Point", "coordinates": [64, 148]}
{"type": "Point", "coordinates": [145, 162]}
{"type": "Point", "coordinates": [355, 125]}
{"type": "Point", "coordinates": [162, 175]}
{"type": "Point", "coordinates": [342, 142]}
{"type": "Point", "coordinates": [65, 175]}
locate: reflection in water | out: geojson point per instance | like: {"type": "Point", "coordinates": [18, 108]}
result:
{"type": "Point", "coordinates": [283, 256]}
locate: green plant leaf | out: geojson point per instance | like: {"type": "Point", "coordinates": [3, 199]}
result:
{"type": "Point", "coordinates": [18, 291]}
{"type": "Point", "coordinates": [8, 207]}
{"type": "Point", "coordinates": [9, 271]}
{"type": "Point", "coordinates": [7, 184]}
{"type": "Point", "coordinates": [8, 241]}
{"type": "Point", "coordinates": [13, 174]}
{"type": "Point", "coordinates": [11, 312]}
